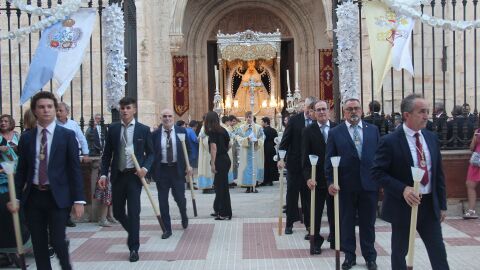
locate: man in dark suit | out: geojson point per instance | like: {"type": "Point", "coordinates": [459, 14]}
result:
{"type": "Point", "coordinates": [292, 143]}
{"type": "Point", "coordinates": [271, 171]}
{"type": "Point", "coordinates": [169, 169]}
{"type": "Point", "coordinates": [95, 136]}
{"type": "Point", "coordinates": [314, 141]}
{"type": "Point", "coordinates": [374, 116]}
{"type": "Point", "coordinates": [355, 142]}
{"type": "Point", "coordinates": [412, 145]}
{"type": "Point", "coordinates": [125, 179]}
{"type": "Point", "coordinates": [48, 181]}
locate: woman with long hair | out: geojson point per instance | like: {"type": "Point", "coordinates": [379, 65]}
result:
{"type": "Point", "coordinates": [219, 142]}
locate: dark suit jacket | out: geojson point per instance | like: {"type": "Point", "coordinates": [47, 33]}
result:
{"type": "Point", "coordinates": [377, 120]}
{"type": "Point", "coordinates": [64, 173]}
{"type": "Point", "coordinates": [181, 165]}
{"type": "Point", "coordinates": [142, 144]}
{"type": "Point", "coordinates": [313, 143]}
{"type": "Point", "coordinates": [391, 169]}
{"type": "Point", "coordinates": [292, 142]}
{"type": "Point", "coordinates": [353, 173]}
{"type": "Point", "coordinates": [93, 140]}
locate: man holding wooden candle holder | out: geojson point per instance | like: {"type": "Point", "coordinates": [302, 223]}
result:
{"type": "Point", "coordinates": [355, 142]}
{"type": "Point", "coordinates": [412, 145]}
{"type": "Point", "coordinates": [314, 141]}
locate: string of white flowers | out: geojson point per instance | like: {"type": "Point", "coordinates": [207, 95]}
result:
{"type": "Point", "coordinates": [347, 48]}
{"type": "Point", "coordinates": [410, 8]}
{"type": "Point", "coordinates": [113, 36]}
{"type": "Point", "coordinates": [54, 15]}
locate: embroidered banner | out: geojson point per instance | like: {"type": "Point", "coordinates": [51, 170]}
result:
{"type": "Point", "coordinates": [180, 84]}
{"type": "Point", "coordinates": [326, 75]}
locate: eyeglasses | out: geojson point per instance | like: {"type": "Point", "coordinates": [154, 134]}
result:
{"type": "Point", "coordinates": [351, 109]}
{"type": "Point", "coordinates": [321, 109]}
{"type": "Point", "coordinates": [167, 116]}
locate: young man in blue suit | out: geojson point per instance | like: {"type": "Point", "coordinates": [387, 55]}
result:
{"type": "Point", "coordinates": [169, 169]}
{"type": "Point", "coordinates": [355, 142]}
{"type": "Point", "coordinates": [411, 145]}
{"type": "Point", "coordinates": [49, 169]}
{"type": "Point", "coordinates": [125, 179]}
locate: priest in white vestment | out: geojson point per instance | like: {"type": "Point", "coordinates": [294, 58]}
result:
{"type": "Point", "coordinates": [250, 137]}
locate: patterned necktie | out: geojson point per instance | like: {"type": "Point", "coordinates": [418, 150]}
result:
{"type": "Point", "coordinates": [357, 140]}
{"type": "Point", "coordinates": [122, 162]}
{"type": "Point", "coordinates": [324, 133]}
{"type": "Point", "coordinates": [307, 122]}
{"type": "Point", "coordinates": [43, 166]}
{"type": "Point", "coordinates": [422, 161]}
{"type": "Point", "coordinates": [169, 147]}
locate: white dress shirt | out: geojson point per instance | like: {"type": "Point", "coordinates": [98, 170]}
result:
{"type": "Point", "coordinates": [173, 141]}
{"type": "Point", "coordinates": [129, 141]}
{"type": "Point", "coordinates": [82, 141]}
{"type": "Point", "coordinates": [50, 129]}
{"type": "Point", "coordinates": [410, 135]}
{"type": "Point", "coordinates": [351, 130]}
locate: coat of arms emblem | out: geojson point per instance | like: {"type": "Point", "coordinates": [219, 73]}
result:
{"type": "Point", "coordinates": [66, 37]}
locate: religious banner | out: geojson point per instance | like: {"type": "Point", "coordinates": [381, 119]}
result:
{"type": "Point", "coordinates": [389, 35]}
{"type": "Point", "coordinates": [326, 75]}
{"type": "Point", "coordinates": [180, 84]}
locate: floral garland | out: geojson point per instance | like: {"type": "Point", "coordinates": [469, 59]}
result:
{"type": "Point", "coordinates": [347, 48]}
{"type": "Point", "coordinates": [407, 8]}
{"type": "Point", "coordinates": [113, 36]}
{"type": "Point", "coordinates": [54, 15]}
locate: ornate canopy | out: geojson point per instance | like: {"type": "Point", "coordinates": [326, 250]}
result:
{"type": "Point", "coordinates": [248, 45]}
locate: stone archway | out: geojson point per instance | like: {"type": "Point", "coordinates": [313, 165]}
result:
{"type": "Point", "coordinates": [202, 19]}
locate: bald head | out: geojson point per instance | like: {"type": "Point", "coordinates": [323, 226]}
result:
{"type": "Point", "coordinates": [167, 118]}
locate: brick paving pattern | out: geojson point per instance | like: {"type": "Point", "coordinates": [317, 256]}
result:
{"type": "Point", "coordinates": [249, 241]}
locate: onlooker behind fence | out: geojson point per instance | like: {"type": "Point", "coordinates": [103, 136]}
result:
{"type": "Point", "coordinates": [466, 113]}
{"type": "Point", "coordinates": [374, 116]}
{"type": "Point", "coordinates": [440, 119]}
{"type": "Point", "coordinates": [473, 177]}
{"type": "Point", "coordinates": [95, 136]}
{"type": "Point", "coordinates": [457, 125]}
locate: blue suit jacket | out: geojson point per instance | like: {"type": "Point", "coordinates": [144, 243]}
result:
{"type": "Point", "coordinates": [353, 173]}
{"type": "Point", "coordinates": [391, 168]}
{"type": "Point", "coordinates": [142, 144]}
{"type": "Point", "coordinates": [64, 173]}
{"type": "Point", "coordinates": [157, 172]}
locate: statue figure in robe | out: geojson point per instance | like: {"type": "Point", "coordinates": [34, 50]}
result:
{"type": "Point", "coordinates": [243, 91]}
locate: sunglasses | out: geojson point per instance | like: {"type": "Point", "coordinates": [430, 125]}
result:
{"type": "Point", "coordinates": [167, 116]}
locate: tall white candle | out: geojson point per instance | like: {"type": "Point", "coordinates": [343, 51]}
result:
{"type": "Point", "coordinates": [288, 81]}
{"type": "Point", "coordinates": [296, 75]}
{"type": "Point", "coordinates": [216, 79]}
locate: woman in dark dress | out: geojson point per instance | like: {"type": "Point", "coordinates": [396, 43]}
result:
{"type": "Point", "coordinates": [219, 142]}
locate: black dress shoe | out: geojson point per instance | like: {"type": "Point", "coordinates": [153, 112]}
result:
{"type": "Point", "coordinates": [223, 218]}
{"type": "Point", "coordinates": [307, 236]}
{"type": "Point", "coordinates": [332, 244]}
{"type": "Point", "coordinates": [185, 222]}
{"type": "Point", "coordinates": [371, 265]}
{"type": "Point", "coordinates": [166, 235]}
{"type": "Point", "coordinates": [214, 214]}
{"type": "Point", "coordinates": [288, 230]}
{"type": "Point", "coordinates": [70, 223]}
{"type": "Point", "coordinates": [316, 250]}
{"type": "Point", "coordinates": [347, 264]}
{"type": "Point", "coordinates": [133, 256]}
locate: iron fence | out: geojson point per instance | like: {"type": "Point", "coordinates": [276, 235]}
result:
{"type": "Point", "coordinates": [445, 64]}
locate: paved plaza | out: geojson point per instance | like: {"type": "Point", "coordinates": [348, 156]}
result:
{"type": "Point", "coordinates": [249, 241]}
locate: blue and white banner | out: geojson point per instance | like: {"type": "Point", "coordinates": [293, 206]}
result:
{"type": "Point", "coordinates": [59, 53]}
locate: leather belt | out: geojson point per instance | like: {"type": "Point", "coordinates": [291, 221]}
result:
{"type": "Point", "coordinates": [41, 187]}
{"type": "Point", "coordinates": [169, 164]}
{"type": "Point", "coordinates": [129, 170]}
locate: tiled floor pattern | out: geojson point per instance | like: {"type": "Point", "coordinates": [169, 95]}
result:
{"type": "Point", "coordinates": [250, 241]}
